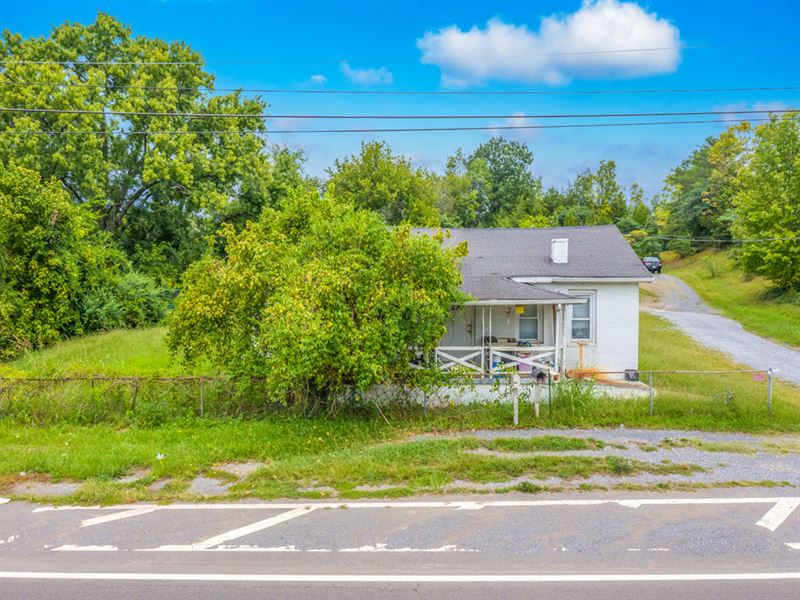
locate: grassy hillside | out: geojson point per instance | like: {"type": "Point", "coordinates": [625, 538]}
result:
{"type": "Point", "coordinates": [122, 352]}
{"type": "Point", "coordinates": [664, 347]}
{"type": "Point", "coordinates": [717, 280]}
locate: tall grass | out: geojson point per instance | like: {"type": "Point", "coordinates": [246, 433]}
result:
{"type": "Point", "coordinates": [720, 401]}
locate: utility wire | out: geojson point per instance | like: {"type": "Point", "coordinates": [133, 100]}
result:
{"type": "Point", "coordinates": [328, 58]}
{"type": "Point", "coordinates": [122, 113]}
{"type": "Point", "coordinates": [97, 62]}
{"type": "Point", "coordinates": [383, 130]}
{"type": "Point", "coordinates": [404, 92]}
{"type": "Point", "coordinates": [723, 241]}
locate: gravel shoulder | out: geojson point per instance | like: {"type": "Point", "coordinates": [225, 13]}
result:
{"type": "Point", "coordinates": [726, 458]}
{"type": "Point", "coordinates": [676, 302]}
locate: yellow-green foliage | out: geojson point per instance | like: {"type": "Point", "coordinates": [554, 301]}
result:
{"type": "Point", "coordinates": [316, 298]}
{"type": "Point", "coordinates": [50, 262]}
{"type": "Point", "coordinates": [767, 205]}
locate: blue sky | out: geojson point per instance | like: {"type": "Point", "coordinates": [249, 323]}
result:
{"type": "Point", "coordinates": [480, 46]}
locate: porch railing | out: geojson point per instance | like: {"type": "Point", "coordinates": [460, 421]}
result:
{"type": "Point", "coordinates": [491, 360]}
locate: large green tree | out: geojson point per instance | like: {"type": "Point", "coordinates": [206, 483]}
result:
{"type": "Point", "coordinates": [317, 298]}
{"type": "Point", "coordinates": [698, 199]}
{"type": "Point", "coordinates": [381, 181]}
{"type": "Point", "coordinates": [59, 276]}
{"type": "Point", "coordinates": [767, 203]}
{"type": "Point", "coordinates": [493, 185]}
{"type": "Point", "coordinates": [128, 155]}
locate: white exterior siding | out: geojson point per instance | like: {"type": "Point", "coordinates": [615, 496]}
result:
{"type": "Point", "coordinates": [615, 326]}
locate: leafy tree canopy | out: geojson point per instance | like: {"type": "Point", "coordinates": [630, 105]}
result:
{"type": "Point", "coordinates": [318, 297]}
{"type": "Point", "coordinates": [174, 171]}
{"type": "Point", "coordinates": [767, 203]}
{"type": "Point", "coordinates": [485, 187]}
{"type": "Point", "coordinates": [378, 180]}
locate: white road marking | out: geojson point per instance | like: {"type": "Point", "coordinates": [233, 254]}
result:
{"type": "Point", "coordinates": [630, 503]}
{"type": "Point", "coordinates": [117, 516]}
{"type": "Point", "coordinates": [9, 539]}
{"type": "Point", "coordinates": [779, 513]}
{"type": "Point", "coordinates": [383, 548]}
{"type": "Point", "coordinates": [390, 578]}
{"type": "Point", "coordinates": [220, 539]}
{"type": "Point", "coordinates": [73, 548]}
{"type": "Point", "coordinates": [291, 548]}
{"type": "Point", "coordinates": [793, 545]}
{"type": "Point", "coordinates": [471, 506]}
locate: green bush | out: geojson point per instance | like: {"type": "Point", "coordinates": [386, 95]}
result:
{"type": "Point", "coordinates": [59, 276]}
{"type": "Point", "coordinates": [319, 299]}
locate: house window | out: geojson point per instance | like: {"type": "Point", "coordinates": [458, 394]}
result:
{"type": "Point", "coordinates": [582, 318]}
{"type": "Point", "coordinates": [529, 324]}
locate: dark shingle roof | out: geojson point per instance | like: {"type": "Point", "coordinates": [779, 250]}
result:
{"type": "Point", "coordinates": [594, 251]}
{"type": "Point", "coordinates": [502, 288]}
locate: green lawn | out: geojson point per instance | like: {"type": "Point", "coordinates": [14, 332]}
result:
{"type": "Point", "coordinates": [715, 277]}
{"type": "Point", "coordinates": [305, 457]}
{"type": "Point", "coordinates": [131, 352]}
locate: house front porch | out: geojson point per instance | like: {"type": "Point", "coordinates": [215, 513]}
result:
{"type": "Point", "coordinates": [490, 338]}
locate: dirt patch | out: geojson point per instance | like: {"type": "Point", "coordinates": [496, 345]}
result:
{"type": "Point", "coordinates": [134, 476]}
{"type": "Point", "coordinates": [44, 488]}
{"type": "Point", "coordinates": [384, 487]}
{"type": "Point", "coordinates": [159, 485]}
{"type": "Point", "coordinates": [240, 470]}
{"type": "Point", "coordinates": [206, 486]}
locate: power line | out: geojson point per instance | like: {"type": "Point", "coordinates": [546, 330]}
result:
{"type": "Point", "coordinates": [122, 113]}
{"type": "Point", "coordinates": [404, 92]}
{"type": "Point", "coordinates": [723, 241]}
{"type": "Point", "coordinates": [328, 58]}
{"type": "Point", "coordinates": [97, 62]}
{"type": "Point", "coordinates": [383, 130]}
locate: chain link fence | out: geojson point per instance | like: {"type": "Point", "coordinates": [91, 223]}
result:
{"type": "Point", "coordinates": [155, 400]}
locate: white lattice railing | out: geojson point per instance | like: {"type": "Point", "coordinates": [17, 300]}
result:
{"type": "Point", "coordinates": [486, 360]}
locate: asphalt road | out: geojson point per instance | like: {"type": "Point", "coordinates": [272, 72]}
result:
{"type": "Point", "coordinates": [679, 304]}
{"type": "Point", "coordinates": [741, 543]}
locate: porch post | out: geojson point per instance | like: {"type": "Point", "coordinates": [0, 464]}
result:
{"type": "Point", "coordinates": [483, 338]}
{"type": "Point", "coordinates": [563, 338]}
{"type": "Point", "coordinates": [557, 332]}
{"type": "Point", "coordinates": [491, 358]}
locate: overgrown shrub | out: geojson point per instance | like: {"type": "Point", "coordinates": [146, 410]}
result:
{"type": "Point", "coordinates": [319, 298]}
{"type": "Point", "coordinates": [60, 276]}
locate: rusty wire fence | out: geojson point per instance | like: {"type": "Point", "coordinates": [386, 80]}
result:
{"type": "Point", "coordinates": [96, 399]}
{"type": "Point", "coordinates": [591, 394]}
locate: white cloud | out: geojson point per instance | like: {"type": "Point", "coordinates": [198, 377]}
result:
{"type": "Point", "coordinates": [734, 109]}
{"type": "Point", "coordinates": [380, 76]}
{"type": "Point", "coordinates": [564, 47]}
{"type": "Point", "coordinates": [318, 79]}
{"type": "Point", "coordinates": [517, 120]}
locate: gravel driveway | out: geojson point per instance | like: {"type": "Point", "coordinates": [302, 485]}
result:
{"type": "Point", "coordinates": [679, 304]}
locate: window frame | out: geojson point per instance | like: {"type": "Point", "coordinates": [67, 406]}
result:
{"type": "Point", "coordinates": [538, 318]}
{"type": "Point", "coordinates": [591, 296]}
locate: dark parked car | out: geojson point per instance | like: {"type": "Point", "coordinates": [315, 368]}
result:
{"type": "Point", "coordinates": [652, 263]}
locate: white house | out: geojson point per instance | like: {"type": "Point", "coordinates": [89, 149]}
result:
{"type": "Point", "coordinates": [555, 299]}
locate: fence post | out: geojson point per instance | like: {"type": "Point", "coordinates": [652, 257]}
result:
{"type": "Point", "coordinates": [133, 397]}
{"type": "Point", "coordinates": [515, 388]}
{"type": "Point", "coordinates": [769, 390]}
{"type": "Point", "coordinates": [202, 386]}
{"type": "Point", "coordinates": [651, 392]}
{"type": "Point", "coordinates": [550, 393]}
